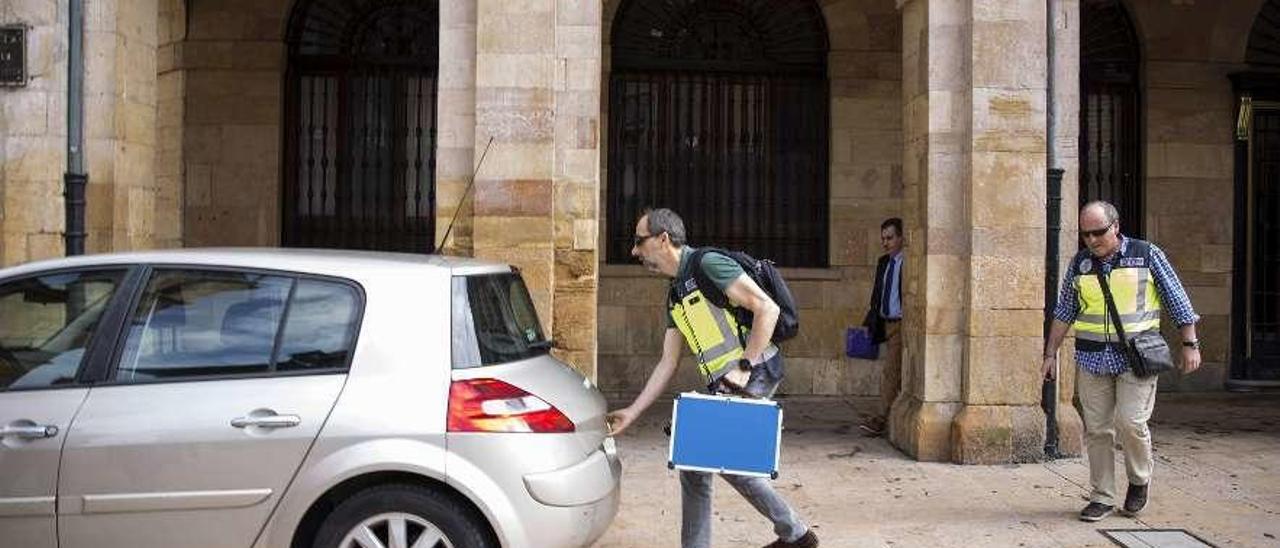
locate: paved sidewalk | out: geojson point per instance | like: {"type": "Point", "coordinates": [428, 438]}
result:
{"type": "Point", "coordinates": [1217, 475]}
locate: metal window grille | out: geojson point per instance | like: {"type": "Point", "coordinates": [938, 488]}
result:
{"type": "Point", "coordinates": [1110, 142]}
{"type": "Point", "coordinates": [719, 110]}
{"type": "Point", "coordinates": [360, 121]}
{"type": "Point", "coordinates": [1264, 244]}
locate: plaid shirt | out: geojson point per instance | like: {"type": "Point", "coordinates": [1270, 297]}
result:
{"type": "Point", "coordinates": [1173, 299]}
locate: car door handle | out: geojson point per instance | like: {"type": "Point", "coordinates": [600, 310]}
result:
{"type": "Point", "coordinates": [267, 421]}
{"type": "Point", "coordinates": [34, 431]}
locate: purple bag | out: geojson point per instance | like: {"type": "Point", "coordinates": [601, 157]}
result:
{"type": "Point", "coordinates": [857, 344]}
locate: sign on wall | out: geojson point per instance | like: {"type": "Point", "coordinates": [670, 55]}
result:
{"type": "Point", "coordinates": [13, 55]}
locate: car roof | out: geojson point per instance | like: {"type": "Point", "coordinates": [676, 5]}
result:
{"type": "Point", "coordinates": [331, 262]}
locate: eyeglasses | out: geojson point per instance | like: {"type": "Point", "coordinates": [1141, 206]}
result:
{"type": "Point", "coordinates": [1097, 233]}
{"type": "Point", "coordinates": [641, 238]}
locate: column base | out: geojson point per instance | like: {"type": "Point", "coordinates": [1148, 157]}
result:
{"type": "Point", "coordinates": [1070, 431]}
{"type": "Point", "coordinates": [922, 429]}
{"type": "Point", "coordinates": [996, 434]}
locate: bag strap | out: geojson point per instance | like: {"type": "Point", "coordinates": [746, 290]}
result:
{"type": "Point", "coordinates": [713, 292]}
{"type": "Point", "coordinates": [704, 282]}
{"type": "Point", "coordinates": [1111, 303]}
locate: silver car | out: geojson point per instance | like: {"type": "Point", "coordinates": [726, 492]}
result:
{"type": "Point", "coordinates": [291, 398]}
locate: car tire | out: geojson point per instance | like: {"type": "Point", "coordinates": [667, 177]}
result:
{"type": "Point", "coordinates": [424, 510]}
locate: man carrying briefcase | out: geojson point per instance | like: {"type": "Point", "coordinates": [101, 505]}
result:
{"type": "Point", "coordinates": [727, 365]}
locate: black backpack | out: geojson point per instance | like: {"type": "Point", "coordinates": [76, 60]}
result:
{"type": "Point", "coordinates": [766, 275]}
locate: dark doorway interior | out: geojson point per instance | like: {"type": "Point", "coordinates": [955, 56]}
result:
{"type": "Point", "coordinates": [1262, 263]}
{"type": "Point", "coordinates": [1110, 113]}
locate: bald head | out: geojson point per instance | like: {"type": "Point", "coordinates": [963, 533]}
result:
{"type": "Point", "coordinates": [1100, 228]}
{"type": "Point", "coordinates": [1108, 212]}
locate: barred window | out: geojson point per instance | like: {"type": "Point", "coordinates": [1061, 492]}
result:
{"type": "Point", "coordinates": [719, 110]}
{"type": "Point", "coordinates": [360, 119]}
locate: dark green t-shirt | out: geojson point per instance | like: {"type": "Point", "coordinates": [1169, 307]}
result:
{"type": "Point", "coordinates": [721, 269]}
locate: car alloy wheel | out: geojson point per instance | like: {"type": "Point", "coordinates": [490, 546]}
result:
{"type": "Point", "coordinates": [395, 530]}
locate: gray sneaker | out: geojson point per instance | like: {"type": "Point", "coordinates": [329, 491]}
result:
{"type": "Point", "coordinates": [1095, 511]}
{"type": "Point", "coordinates": [1135, 499]}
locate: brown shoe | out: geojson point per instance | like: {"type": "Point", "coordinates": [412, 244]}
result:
{"type": "Point", "coordinates": [808, 540]}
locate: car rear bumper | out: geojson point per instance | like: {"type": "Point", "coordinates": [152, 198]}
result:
{"type": "Point", "coordinates": [569, 506]}
{"type": "Point", "coordinates": [585, 482]}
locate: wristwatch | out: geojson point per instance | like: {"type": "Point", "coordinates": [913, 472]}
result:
{"type": "Point", "coordinates": [1192, 344]}
{"type": "Point", "coordinates": [744, 364]}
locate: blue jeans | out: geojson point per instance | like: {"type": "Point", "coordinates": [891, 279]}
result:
{"type": "Point", "coordinates": [696, 487]}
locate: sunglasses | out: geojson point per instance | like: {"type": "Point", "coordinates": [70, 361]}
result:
{"type": "Point", "coordinates": [1096, 233]}
{"type": "Point", "coordinates": [640, 239]}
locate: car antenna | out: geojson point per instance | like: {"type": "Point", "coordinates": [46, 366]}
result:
{"type": "Point", "coordinates": [464, 194]}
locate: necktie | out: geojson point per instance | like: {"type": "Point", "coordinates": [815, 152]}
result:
{"type": "Point", "coordinates": [887, 293]}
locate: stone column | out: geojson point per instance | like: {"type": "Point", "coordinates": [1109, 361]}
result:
{"type": "Point", "coordinates": [171, 90]}
{"type": "Point", "coordinates": [1067, 95]}
{"type": "Point", "coordinates": [537, 95]}
{"type": "Point", "coordinates": [974, 177]}
{"type": "Point", "coordinates": [456, 125]}
{"type": "Point", "coordinates": [232, 65]}
{"type": "Point", "coordinates": [120, 124]}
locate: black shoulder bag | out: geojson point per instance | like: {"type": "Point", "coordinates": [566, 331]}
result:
{"type": "Point", "coordinates": [1147, 352]}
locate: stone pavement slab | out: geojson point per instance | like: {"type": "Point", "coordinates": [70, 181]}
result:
{"type": "Point", "coordinates": [1217, 476]}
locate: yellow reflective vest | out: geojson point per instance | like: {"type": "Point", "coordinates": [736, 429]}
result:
{"type": "Point", "coordinates": [713, 334]}
{"type": "Point", "coordinates": [1132, 286]}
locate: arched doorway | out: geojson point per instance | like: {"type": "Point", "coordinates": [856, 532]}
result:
{"type": "Point", "coordinates": [1256, 299]}
{"type": "Point", "coordinates": [1110, 112]}
{"type": "Point", "coordinates": [718, 109]}
{"type": "Point", "coordinates": [360, 125]}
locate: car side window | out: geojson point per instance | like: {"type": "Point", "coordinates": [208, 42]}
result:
{"type": "Point", "coordinates": [46, 324]}
{"type": "Point", "coordinates": [320, 328]}
{"type": "Point", "coordinates": [192, 323]}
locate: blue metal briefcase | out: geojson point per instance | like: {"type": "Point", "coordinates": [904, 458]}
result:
{"type": "Point", "coordinates": [725, 434]}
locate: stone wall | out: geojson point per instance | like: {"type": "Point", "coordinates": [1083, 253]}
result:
{"type": "Point", "coordinates": [119, 131]}
{"type": "Point", "coordinates": [33, 137]}
{"type": "Point", "coordinates": [232, 62]}
{"type": "Point", "coordinates": [865, 71]}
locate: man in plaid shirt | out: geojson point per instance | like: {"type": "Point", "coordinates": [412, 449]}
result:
{"type": "Point", "coordinates": [1115, 402]}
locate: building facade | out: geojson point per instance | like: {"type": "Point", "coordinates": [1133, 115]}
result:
{"type": "Point", "coordinates": [788, 129]}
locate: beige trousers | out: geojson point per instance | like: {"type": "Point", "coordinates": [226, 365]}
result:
{"type": "Point", "coordinates": [1116, 407]}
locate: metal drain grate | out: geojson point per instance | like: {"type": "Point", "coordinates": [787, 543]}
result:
{"type": "Point", "coordinates": [1155, 538]}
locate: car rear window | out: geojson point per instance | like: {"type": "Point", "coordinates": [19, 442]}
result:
{"type": "Point", "coordinates": [494, 321]}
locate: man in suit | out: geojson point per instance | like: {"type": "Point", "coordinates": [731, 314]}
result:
{"type": "Point", "coordinates": [884, 319]}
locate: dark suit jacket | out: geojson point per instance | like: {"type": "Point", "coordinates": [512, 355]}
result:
{"type": "Point", "coordinates": [873, 322]}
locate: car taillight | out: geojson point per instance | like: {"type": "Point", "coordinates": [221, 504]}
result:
{"type": "Point", "coordinates": [490, 405]}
